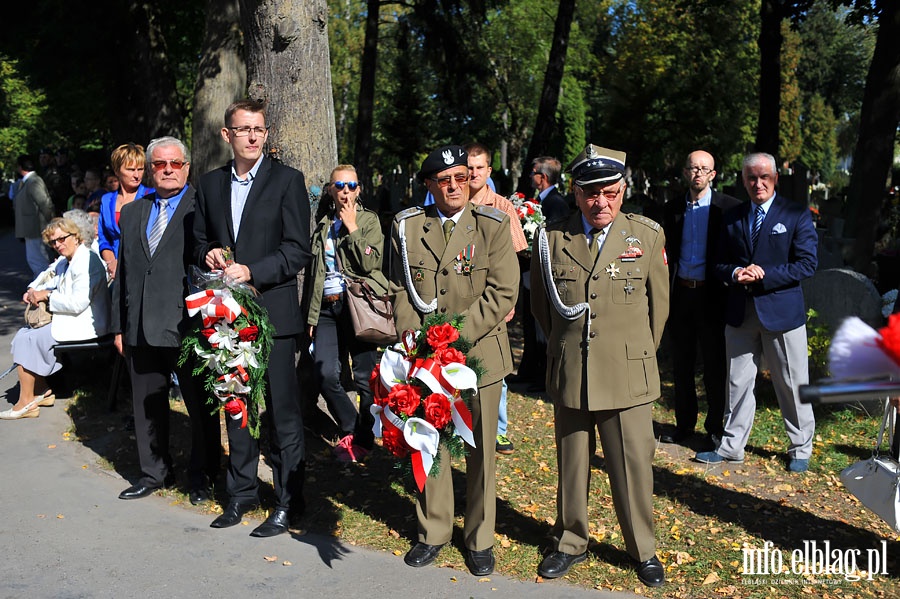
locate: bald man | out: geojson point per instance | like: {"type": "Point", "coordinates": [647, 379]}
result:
{"type": "Point", "coordinates": [697, 314]}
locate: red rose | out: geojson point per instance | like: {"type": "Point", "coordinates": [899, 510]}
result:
{"type": "Point", "coordinates": [249, 333]}
{"type": "Point", "coordinates": [530, 209]}
{"type": "Point", "coordinates": [449, 355]}
{"type": "Point", "coordinates": [377, 387]}
{"type": "Point", "coordinates": [404, 399]}
{"type": "Point", "coordinates": [441, 335]}
{"type": "Point", "coordinates": [437, 410]}
{"type": "Point", "coordinates": [890, 338]}
{"type": "Point", "coordinates": [233, 407]}
{"type": "Point", "coordinates": [393, 441]}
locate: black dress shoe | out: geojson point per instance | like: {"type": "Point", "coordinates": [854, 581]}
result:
{"type": "Point", "coordinates": [137, 491]}
{"type": "Point", "coordinates": [275, 524]}
{"type": "Point", "coordinates": [651, 572]}
{"type": "Point", "coordinates": [198, 495]}
{"type": "Point", "coordinates": [232, 514]}
{"type": "Point", "coordinates": [558, 563]}
{"type": "Point", "coordinates": [421, 555]}
{"type": "Point", "coordinates": [676, 437]}
{"type": "Point", "coordinates": [480, 563]}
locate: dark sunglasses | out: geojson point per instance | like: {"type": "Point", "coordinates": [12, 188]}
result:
{"type": "Point", "coordinates": [351, 185]}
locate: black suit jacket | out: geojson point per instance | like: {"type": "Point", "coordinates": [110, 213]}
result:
{"type": "Point", "coordinates": [673, 224]}
{"type": "Point", "coordinates": [554, 206]}
{"type": "Point", "coordinates": [149, 291]}
{"type": "Point", "coordinates": [273, 240]}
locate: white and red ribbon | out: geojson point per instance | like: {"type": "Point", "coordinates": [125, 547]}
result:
{"type": "Point", "coordinates": [422, 438]}
{"type": "Point", "coordinates": [213, 305]}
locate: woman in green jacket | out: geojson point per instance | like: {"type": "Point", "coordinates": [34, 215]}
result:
{"type": "Point", "coordinates": [347, 242]}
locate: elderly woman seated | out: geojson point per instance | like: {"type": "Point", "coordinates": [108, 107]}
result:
{"type": "Point", "coordinates": [77, 296]}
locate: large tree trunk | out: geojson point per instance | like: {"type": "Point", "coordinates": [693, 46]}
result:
{"type": "Point", "coordinates": [771, 14]}
{"type": "Point", "coordinates": [147, 100]}
{"type": "Point", "coordinates": [546, 116]}
{"type": "Point", "coordinates": [874, 154]}
{"type": "Point", "coordinates": [222, 80]}
{"type": "Point", "coordinates": [288, 66]}
{"type": "Point", "coordinates": [366, 106]}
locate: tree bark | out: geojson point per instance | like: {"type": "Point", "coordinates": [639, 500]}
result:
{"type": "Point", "coordinates": [874, 154]}
{"type": "Point", "coordinates": [546, 117]}
{"type": "Point", "coordinates": [366, 106]}
{"type": "Point", "coordinates": [222, 80]}
{"type": "Point", "coordinates": [147, 100]}
{"type": "Point", "coordinates": [771, 14]}
{"type": "Point", "coordinates": [288, 66]}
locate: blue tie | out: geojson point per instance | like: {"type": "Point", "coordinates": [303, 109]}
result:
{"type": "Point", "coordinates": [757, 225]}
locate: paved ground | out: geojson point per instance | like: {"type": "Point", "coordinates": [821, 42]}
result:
{"type": "Point", "coordinates": [65, 533]}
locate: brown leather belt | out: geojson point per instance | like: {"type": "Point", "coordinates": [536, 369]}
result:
{"type": "Point", "coordinates": [689, 283]}
{"type": "Point", "coordinates": [330, 299]}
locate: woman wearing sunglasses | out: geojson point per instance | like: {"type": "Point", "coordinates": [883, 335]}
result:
{"type": "Point", "coordinates": [347, 242]}
{"type": "Point", "coordinates": [128, 164]}
{"type": "Point", "coordinates": [75, 290]}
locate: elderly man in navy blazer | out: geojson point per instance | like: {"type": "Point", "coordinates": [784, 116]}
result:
{"type": "Point", "coordinates": [767, 248]}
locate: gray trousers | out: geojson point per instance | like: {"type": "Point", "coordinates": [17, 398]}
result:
{"type": "Point", "coordinates": [786, 357]}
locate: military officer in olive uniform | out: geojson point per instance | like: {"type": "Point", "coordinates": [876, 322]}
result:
{"type": "Point", "coordinates": [453, 257]}
{"type": "Point", "coordinates": [600, 291]}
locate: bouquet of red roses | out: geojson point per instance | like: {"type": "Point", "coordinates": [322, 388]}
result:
{"type": "Point", "coordinates": [531, 216]}
{"type": "Point", "coordinates": [233, 343]}
{"type": "Point", "coordinates": [421, 388]}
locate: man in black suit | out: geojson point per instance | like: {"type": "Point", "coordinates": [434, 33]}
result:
{"type": "Point", "coordinates": [697, 312]}
{"type": "Point", "coordinates": [149, 319]}
{"type": "Point", "coordinates": [260, 210]}
{"type": "Point", "coordinates": [545, 171]}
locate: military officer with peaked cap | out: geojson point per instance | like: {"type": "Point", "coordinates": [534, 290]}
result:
{"type": "Point", "coordinates": [600, 291]}
{"type": "Point", "coordinates": [453, 257]}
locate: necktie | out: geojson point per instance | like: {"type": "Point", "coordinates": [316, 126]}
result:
{"type": "Point", "coordinates": [159, 227]}
{"type": "Point", "coordinates": [596, 240]}
{"type": "Point", "coordinates": [448, 229]}
{"type": "Point", "coordinates": [757, 225]}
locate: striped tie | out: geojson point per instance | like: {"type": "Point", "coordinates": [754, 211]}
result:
{"type": "Point", "coordinates": [159, 227]}
{"type": "Point", "coordinates": [757, 225]}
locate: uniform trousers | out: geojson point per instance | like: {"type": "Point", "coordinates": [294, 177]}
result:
{"type": "Point", "coordinates": [628, 444]}
{"type": "Point", "coordinates": [787, 358]}
{"type": "Point", "coordinates": [149, 368]}
{"type": "Point", "coordinates": [434, 506]}
{"type": "Point", "coordinates": [285, 436]}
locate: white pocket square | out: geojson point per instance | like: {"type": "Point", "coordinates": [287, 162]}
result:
{"type": "Point", "coordinates": [778, 229]}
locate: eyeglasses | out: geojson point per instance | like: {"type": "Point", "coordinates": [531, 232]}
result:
{"type": "Point", "coordinates": [52, 242]}
{"type": "Point", "coordinates": [445, 181]}
{"type": "Point", "coordinates": [245, 131]}
{"type": "Point", "coordinates": [608, 194]}
{"type": "Point", "coordinates": [351, 185]}
{"type": "Point", "coordinates": [159, 165]}
{"type": "Point", "coordinates": [698, 170]}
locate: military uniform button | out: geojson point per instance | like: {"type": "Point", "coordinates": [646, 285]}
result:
{"type": "Point", "coordinates": [421, 263]}
{"type": "Point", "coordinates": [444, 272]}
{"type": "Point", "coordinates": [443, 310]}
{"type": "Point", "coordinates": [593, 296]}
{"type": "Point", "coordinates": [593, 315]}
{"type": "Point", "coordinates": [596, 277]}
{"type": "Point", "coordinates": [593, 334]}
{"type": "Point", "coordinates": [443, 291]}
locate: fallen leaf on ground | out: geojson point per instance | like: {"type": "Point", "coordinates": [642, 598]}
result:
{"type": "Point", "coordinates": [51, 447]}
{"type": "Point", "coordinates": [286, 563]}
{"type": "Point", "coordinates": [270, 558]}
{"type": "Point", "coordinates": [711, 578]}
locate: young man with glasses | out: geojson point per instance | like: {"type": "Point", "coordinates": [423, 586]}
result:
{"type": "Point", "coordinates": [259, 209]}
{"type": "Point", "coordinates": [693, 224]}
{"type": "Point", "coordinates": [600, 291]}
{"type": "Point", "coordinates": [457, 258]}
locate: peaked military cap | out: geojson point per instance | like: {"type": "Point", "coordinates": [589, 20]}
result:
{"type": "Point", "coordinates": [597, 165]}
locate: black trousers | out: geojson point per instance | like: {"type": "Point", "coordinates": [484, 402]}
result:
{"type": "Point", "coordinates": [149, 368]}
{"type": "Point", "coordinates": [286, 436]}
{"type": "Point", "coordinates": [694, 320]}
{"type": "Point", "coordinates": [335, 338]}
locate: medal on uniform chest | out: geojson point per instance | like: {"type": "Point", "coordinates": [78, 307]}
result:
{"type": "Point", "coordinates": [464, 265]}
{"type": "Point", "coordinates": [612, 270]}
{"type": "Point", "coordinates": [420, 275]}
